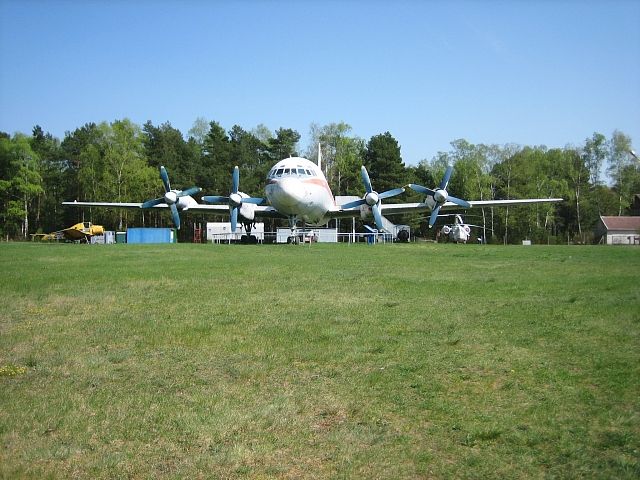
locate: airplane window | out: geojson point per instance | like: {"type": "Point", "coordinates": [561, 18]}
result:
{"type": "Point", "coordinates": [308, 172]}
{"type": "Point", "coordinates": [287, 171]}
{"type": "Point", "coordinates": [301, 171]}
{"type": "Point", "coordinates": [279, 172]}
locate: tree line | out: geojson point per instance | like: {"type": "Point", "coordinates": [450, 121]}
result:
{"type": "Point", "coordinates": [119, 161]}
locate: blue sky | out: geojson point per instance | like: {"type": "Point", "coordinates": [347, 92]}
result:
{"type": "Point", "coordinates": [528, 72]}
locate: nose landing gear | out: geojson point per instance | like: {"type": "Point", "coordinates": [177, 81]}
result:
{"type": "Point", "coordinates": [294, 238]}
{"type": "Point", "coordinates": [248, 239]}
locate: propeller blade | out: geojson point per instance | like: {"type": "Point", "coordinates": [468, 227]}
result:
{"type": "Point", "coordinates": [254, 200]}
{"type": "Point", "coordinates": [355, 203]}
{"type": "Point", "coordinates": [165, 179]}
{"type": "Point", "coordinates": [365, 179]}
{"type": "Point", "coordinates": [458, 201]}
{"type": "Point", "coordinates": [236, 180]}
{"type": "Point", "coordinates": [234, 219]}
{"type": "Point", "coordinates": [215, 199]}
{"type": "Point", "coordinates": [434, 216]}
{"type": "Point", "coordinates": [175, 215]}
{"type": "Point", "coordinates": [377, 216]}
{"type": "Point", "coordinates": [447, 176]}
{"type": "Point", "coordinates": [391, 193]}
{"type": "Point", "coordinates": [152, 203]}
{"type": "Point", "coordinates": [421, 189]}
{"type": "Point", "coordinates": [189, 191]}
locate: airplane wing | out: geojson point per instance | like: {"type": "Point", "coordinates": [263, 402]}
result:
{"type": "Point", "coordinates": [106, 204]}
{"type": "Point", "coordinates": [222, 209]}
{"type": "Point", "coordinates": [73, 234]}
{"type": "Point", "coordinates": [502, 203]}
{"type": "Point", "coordinates": [427, 206]}
{"type": "Point", "coordinates": [397, 208]}
{"type": "Point", "coordinates": [260, 211]}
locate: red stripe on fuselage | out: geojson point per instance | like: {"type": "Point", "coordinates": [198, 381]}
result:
{"type": "Point", "coordinates": [321, 182]}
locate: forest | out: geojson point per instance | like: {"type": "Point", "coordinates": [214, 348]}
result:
{"type": "Point", "coordinates": [118, 162]}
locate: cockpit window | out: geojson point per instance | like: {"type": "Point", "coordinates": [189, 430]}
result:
{"type": "Point", "coordinates": [278, 172]}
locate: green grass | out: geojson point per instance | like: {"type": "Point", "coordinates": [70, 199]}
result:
{"type": "Point", "coordinates": [329, 361]}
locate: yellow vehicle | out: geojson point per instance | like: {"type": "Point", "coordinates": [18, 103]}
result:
{"type": "Point", "coordinates": [80, 232]}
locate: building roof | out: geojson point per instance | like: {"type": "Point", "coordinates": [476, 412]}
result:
{"type": "Point", "coordinates": [621, 223]}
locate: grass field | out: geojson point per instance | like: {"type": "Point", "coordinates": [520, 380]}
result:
{"type": "Point", "coordinates": [329, 361]}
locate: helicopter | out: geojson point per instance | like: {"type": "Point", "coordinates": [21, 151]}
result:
{"type": "Point", "coordinates": [458, 231]}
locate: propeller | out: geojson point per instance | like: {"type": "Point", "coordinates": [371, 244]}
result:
{"type": "Point", "coordinates": [373, 198]}
{"type": "Point", "coordinates": [170, 197]}
{"type": "Point", "coordinates": [440, 195]}
{"type": "Point", "coordinates": [235, 198]}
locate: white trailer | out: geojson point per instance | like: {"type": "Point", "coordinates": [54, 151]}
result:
{"type": "Point", "coordinates": [221, 232]}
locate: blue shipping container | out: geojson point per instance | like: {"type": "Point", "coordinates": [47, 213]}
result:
{"type": "Point", "coordinates": [150, 235]}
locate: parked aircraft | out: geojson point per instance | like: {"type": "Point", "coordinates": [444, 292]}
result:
{"type": "Point", "coordinates": [458, 231]}
{"type": "Point", "coordinates": [82, 232]}
{"type": "Point", "coordinates": [297, 191]}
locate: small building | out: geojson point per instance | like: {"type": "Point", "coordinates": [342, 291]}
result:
{"type": "Point", "coordinates": [618, 230]}
{"type": "Point", "coordinates": [151, 235]}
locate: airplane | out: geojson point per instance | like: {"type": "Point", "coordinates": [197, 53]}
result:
{"type": "Point", "coordinates": [297, 191]}
{"type": "Point", "coordinates": [81, 232]}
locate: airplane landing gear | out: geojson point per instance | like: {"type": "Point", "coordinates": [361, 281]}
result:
{"type": "Point", "coordinates": [248, 239]}
{"type": "Point", "coordinates": [294, 238]}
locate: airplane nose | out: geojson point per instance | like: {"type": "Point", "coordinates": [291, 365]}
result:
{"type": "Point", "coordinates": [291, 191]}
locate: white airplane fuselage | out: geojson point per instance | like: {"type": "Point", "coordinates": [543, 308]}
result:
{"type": "Point", "coordinates": [296, 187]}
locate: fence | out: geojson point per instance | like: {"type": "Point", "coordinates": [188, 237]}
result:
{"type": "Point", "coordinates": [305, 236]}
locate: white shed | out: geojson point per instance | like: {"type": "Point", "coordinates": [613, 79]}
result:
{"type": "Point", "coordinates": [618, 230]}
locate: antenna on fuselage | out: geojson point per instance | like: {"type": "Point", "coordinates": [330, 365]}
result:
{"type": "Point", "coordinates": [319, 157]}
